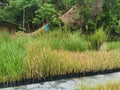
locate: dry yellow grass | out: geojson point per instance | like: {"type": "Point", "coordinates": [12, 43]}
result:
{"type": "Point", "coordinates": [44, 61]}
{"type": "Point", "coordinates": [107, 86]}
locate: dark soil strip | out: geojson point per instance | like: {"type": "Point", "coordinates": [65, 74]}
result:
{"type": "Point", "coordinates": [57, 77]}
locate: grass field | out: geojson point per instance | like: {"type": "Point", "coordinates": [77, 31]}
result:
{"type": "Point", "coordinates": [53, 62]}
{"type": "Point", "coordinates": [51, 53]}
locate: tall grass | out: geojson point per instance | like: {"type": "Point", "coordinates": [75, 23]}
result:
{"type": "Point", "coordinates": [4, 36]}
{"type": "Point", "coordinates": [43, 61]}
{"type": "Point", "coordinates": [38, 58]}
{"type": "Point", "coordinates": [62, 40]}
{"type": "Point", "coordinates": [98, 38]}
{"type": "Point", "coordinates": [12, 53]}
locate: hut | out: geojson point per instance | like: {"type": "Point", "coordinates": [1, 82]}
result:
{"type": "Point", "coordinates": [7, 26]}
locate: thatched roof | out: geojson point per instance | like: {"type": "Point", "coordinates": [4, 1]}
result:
{"type": "Point", "coordinates": [71, 16]}
{"type": "Point", "coordinates": [9, 23]}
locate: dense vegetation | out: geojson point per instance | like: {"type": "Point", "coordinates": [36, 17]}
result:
{"type": "Point", "coordinates": [65, 48]}
{"type": "Point", "coordinates": [92, 14]}
{"type": "Point", "coordinates": [28, 11]}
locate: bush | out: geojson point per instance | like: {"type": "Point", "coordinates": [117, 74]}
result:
{"type": "Point", "coordinates": [98, 38]}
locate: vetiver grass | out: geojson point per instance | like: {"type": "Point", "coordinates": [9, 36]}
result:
{"type": "Point", "coordinates": [12, 52]}
{"type": "Point", "coordinates": [98, 38]}
{"type": "Point", "coordinates": [62, 40]}
{"type": "Point", "coordinates": [44, 61]}
{"type": "Point", "coordinates": [107, 86]}
{"type": "Point", "coordinates": [39, 58]}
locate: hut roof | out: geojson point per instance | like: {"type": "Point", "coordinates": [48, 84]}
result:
{"type": "Point", "coordinates": [69, 16]}
{"type": "Point", "coordinates": [9, 23]}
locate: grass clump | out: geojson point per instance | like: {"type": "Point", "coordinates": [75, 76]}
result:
{"type": "Point", "coordinates": [98, 38]}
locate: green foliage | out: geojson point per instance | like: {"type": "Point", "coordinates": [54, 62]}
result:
{"type": "Point", "coordinates": [45, 14]}
{"type": "Point", "coordinates": [93, 14]}
{"type": "Point", "coordinates": [68, 3]}
{"type": "Point", "coordinates": [62, 5]}
{"type": "Point", "coordinates": [57, 3]}
{"type": "Point", "coordinates": [88, 12]}
{"type": "Point", "coordinates": [98, 38]}
{"type": "Point", "coordinates": [14, 12]}
{"type": "Point", "coordinates": [111, 15]}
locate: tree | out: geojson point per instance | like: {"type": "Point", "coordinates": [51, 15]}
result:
{"type": "Point", "coordinates": [94, 14]}
{"type": "Point", "coordinates": [111, 16]}
{"type": "Point", "coordinates": [57, 3]}
{"type": "Point", "coordinates": [86, 9]}
{"type": "Point", "coordinates": [14, 12]}
{"type": "Point", "coordinates": [45, 14]}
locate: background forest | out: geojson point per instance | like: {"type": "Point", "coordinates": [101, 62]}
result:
{"type": "Point", "coordinates": [91, 13]}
